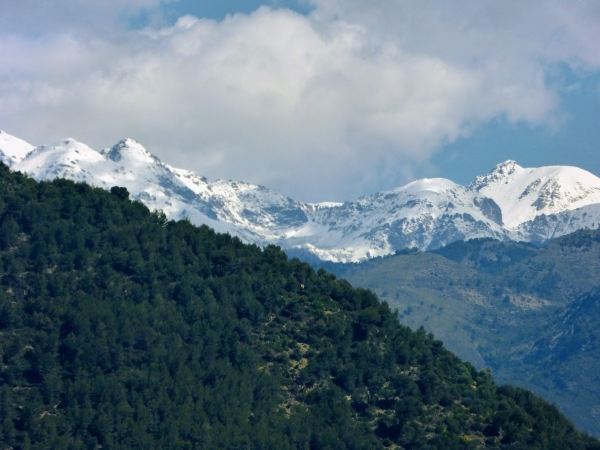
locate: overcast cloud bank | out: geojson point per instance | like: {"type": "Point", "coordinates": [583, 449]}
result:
{"type": "Point", "coordinates": [328, 106]}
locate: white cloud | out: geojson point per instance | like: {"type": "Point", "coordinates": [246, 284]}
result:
{"type": "Point", "coordinates": [328, 106]}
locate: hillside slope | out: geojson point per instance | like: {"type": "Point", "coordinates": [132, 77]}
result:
{"type": "Point", "coordinates": [508, 306]}
{"type": "Point", "coordinates": [120, 329]}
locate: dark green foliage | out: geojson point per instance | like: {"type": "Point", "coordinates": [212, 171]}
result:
{"type": "Point", "coordinates": [529, 313]}
{"type": "Point", "coordinates": [121, 192]}
{"type": "Point", "coordinates": [120, 330]}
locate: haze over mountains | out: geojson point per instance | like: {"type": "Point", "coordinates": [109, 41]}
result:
{"type": "Point", "coordinates": [509, 203]}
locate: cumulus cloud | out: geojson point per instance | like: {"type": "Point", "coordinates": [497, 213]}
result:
{"type": "Point", "coordinates": [327, 106]}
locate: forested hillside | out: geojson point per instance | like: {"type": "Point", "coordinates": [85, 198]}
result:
{"type": "Point", "coordinates": [561, 270]}
{"type": "Point", "coordinates": [122, 330]}
{"type": "Point", "coordinates": [529, 313]}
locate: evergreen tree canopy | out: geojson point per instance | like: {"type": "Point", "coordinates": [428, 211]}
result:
{"type": "Point", "coordinates": [122, 330]}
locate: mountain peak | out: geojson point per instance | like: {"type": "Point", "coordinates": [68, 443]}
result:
{"type": "Point", "coordinates": [13, 149]}
{"type": "Point", "coordinates": [130, 150]}
{"type": "Point", "coordinates": [507, 167]}
{"type": "Point", "coordinates": [500, 173]}
{"type": "Point", "coordinates": [525, 193]}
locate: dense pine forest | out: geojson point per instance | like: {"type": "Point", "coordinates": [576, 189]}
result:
{"type": "Point", "coordinates": [122, 330]}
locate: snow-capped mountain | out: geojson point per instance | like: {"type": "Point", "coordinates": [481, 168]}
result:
{"type": "Point", "coordinates": [524, 194]}
{"type": "Point", "coordinates": [427, 213]}
{"type": "Point", "coordinates": [13, 149]}
{"type": "Point", "coordinates": [542, 203]}
{"type": "Point", "coordinates": [510, 202]}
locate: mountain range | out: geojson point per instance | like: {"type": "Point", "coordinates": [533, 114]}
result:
{"type": "Point", "coordinates": [511, 203]}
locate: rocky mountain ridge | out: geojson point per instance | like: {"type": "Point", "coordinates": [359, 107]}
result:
{"type": "Point", "coordinates": [509, 203]}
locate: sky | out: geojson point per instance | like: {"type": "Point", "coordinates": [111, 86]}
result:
{"type": "Point", "coordinates": [322, 100]}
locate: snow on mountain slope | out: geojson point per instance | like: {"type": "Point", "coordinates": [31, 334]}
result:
{"type": "Point", "coordinates": [126, 164]}
{"type": "Point", "coordinates": [509, 203]}
{"type": "Point", "coordinates": [257, 207]}
{"type": "Point", "coordinates": [65, 159]}
{"type": "Point", "coordinates": [253, 212]}
{"type": "Point", "coordinates": [524, 194]}
{"type": "Point", "coordinates": [425, 214]}
{"type": "Point", "coordinates": [549, 226]}
{"type": "Point", "coordinates": [13, 149]}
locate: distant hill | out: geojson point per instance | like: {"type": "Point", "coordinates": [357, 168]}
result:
{"type": "Point", "coordinates": [527, 312]}
{"type": "Point", "coordinates": [120, 329]}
